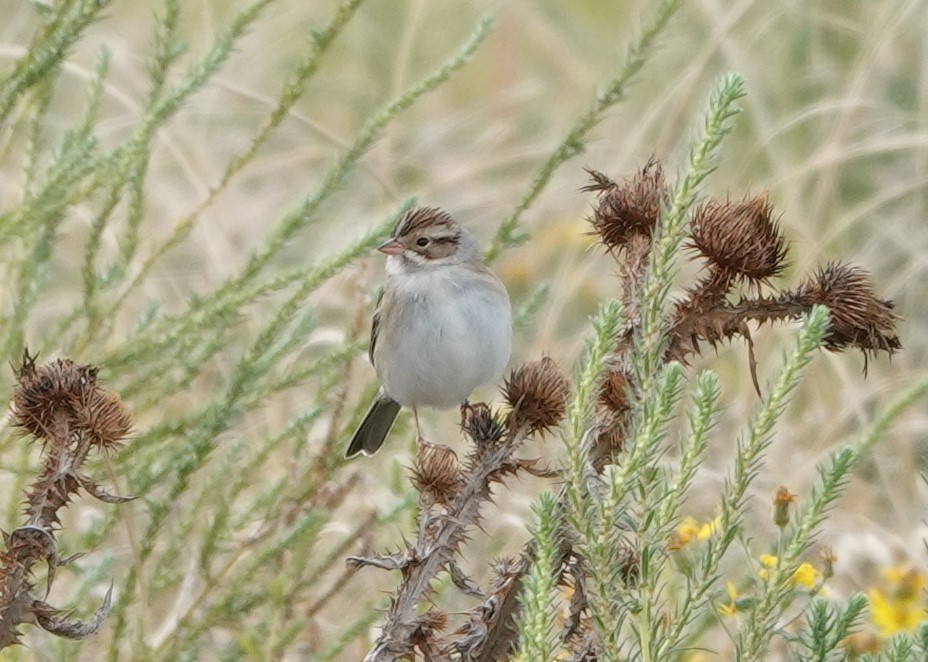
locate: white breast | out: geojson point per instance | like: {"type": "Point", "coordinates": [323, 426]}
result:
{"type": "Point", "coordinates": [450, 331]}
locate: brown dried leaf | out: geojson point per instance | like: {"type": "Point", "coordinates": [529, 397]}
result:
{"type": "Point", "coordinates": [95, 490]}
{"type": "Point", "coordinates": [399, 561]}
{"type": "Point", "coordinates": [51, 620]}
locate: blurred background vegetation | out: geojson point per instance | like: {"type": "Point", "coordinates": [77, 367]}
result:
{"type": "Point", "coordinates": [235, 548]}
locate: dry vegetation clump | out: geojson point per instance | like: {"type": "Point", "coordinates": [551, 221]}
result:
{"type": "Point", "coordinates": [743, 252]}
{"type": "Point", "coordinates": [60, 406]}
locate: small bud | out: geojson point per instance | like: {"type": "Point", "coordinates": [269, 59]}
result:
{"type": "Point", "coordinates": [537, 393]}
{"type": "Point", "coordinates": [828, 558]}
{"type": "Point", "coordinates": [781, 501]}
{"type": "Point", "coordinates": [437, 474]}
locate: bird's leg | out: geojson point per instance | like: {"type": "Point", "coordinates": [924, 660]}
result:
{"type": "Point", "coordinates": [419, 437]}
{"type": "Point", "coordinates": [465, 407]}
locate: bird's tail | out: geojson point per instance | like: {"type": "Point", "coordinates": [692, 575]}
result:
{"type": "Point", "coordinates": [375, 425]}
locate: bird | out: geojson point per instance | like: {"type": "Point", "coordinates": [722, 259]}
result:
{"type": "Point", "coordinates": [442, 324]}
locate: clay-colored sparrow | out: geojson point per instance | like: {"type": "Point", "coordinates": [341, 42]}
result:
{"type": "Point", "coordinates": [443, 324]}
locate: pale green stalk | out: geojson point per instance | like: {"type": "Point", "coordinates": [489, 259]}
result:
{"type": "Point", "coordinates": [538, 621]}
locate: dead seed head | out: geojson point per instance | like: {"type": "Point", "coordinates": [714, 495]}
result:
{"type": "Point", "coordinates": [537, 393]}
{"type": "Point", "coordinates": [858, 318]}
{"type": "Point", "coordinates": [740, 238]}
{"type": "Point", "coordinates": [437, 474]}
{"type": "Point", "coordinates": [630, 208]}
{"type": "Point", "coordinates": [62, 395]}
{"type": "Point", "coordinates": [608, 440]}
{"type": "Point", "coordinates": [613, 394]}
{"type": "Point", "coordinates": [481, 425]}
{"type": "Point", "coordinates": [105, 418]}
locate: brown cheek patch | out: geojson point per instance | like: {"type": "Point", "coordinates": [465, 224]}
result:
{"type": "Point", "coordinates": [440, 248]}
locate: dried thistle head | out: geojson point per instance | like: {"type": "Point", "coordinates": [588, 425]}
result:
{"type": "Point", "coordinates": [613, 393]}
{"type": "Point", "coordinates": [858, 318]}
{"type": "Point", "coordinates": [61, 397]}
{"type": "Point", "coordinates": [627, 209]}
{"type": "Point", "coordinates": [537, 393]}
{"type": "Point", "coordinates": [481, 424]}
{"type": "Point", "coordinates": [104, 418]}
{"type": "Point", "coordinates": [437, 474]}
{"type": "Point", "coordinates": [740, 238]}
{"type": "Point", "coordinates": [49, 395]}
{"type": "Point", "coordinates": [629, 564]}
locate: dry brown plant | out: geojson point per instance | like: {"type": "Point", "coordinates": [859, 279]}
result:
{"type": "Point", "coordinates": [60, 406]}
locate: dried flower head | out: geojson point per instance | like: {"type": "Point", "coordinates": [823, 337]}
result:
{"type": "Point", "coordinates": [63, 395]}
{"type": "Point", "coordinates": [537, 393]}
{"type": "Point", "coordinates": [629, 564]}
{"type": "Point", "coordinates": [104, 418]}
{"type": "Point", "coordinates": [437, 474]}
{"type": "Point", "coordinates": [613, 394]}
{"type": "Point", "coordinates": [740, 238]}
{"type": "Point", "coordinates": [858, 318]}
{"type": "Point", "coordinates": [61, 404]}
{"type": "Point", "coordinates": [481, 425]}
{"type": "Point", "coordinates": [630, 208]}
{"type": "Point", "coordinates": [49, 395]}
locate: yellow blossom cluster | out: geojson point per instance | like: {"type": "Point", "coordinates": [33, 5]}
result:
{"type": "Point", "coordinates": [691, 529]}
{"type": "Point", "coordinates": [898, 605]}
{"type": "Point", "coordinates": [805, 575]}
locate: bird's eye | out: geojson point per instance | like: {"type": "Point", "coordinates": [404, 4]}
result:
{"type": "Point", "coordinates": [422, 241]}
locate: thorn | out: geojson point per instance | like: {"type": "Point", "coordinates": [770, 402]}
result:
{"type": "Point", "coordinates": [752, 360]}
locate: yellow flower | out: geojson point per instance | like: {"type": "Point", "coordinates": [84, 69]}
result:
{"type": "Point", "coordinates": [731, 608]}
{"type": "Point", "coordinates": [899, 606]}
{"type": "Point", "coordinates": [709, 528]}
{"type": "Point", "coordinates": [805, 575]}
{"type": "Point", "coordinates": [690, 529]}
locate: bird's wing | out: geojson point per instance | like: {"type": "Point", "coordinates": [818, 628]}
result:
{"type": "Point", "coordinates": [375, 326]}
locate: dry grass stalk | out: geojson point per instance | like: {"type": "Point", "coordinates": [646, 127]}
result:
{"type": "Point", "coordinates": [59, 405]}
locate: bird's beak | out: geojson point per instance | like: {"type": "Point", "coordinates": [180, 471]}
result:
{"type": "Point", "coordinates": [391, 247]}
